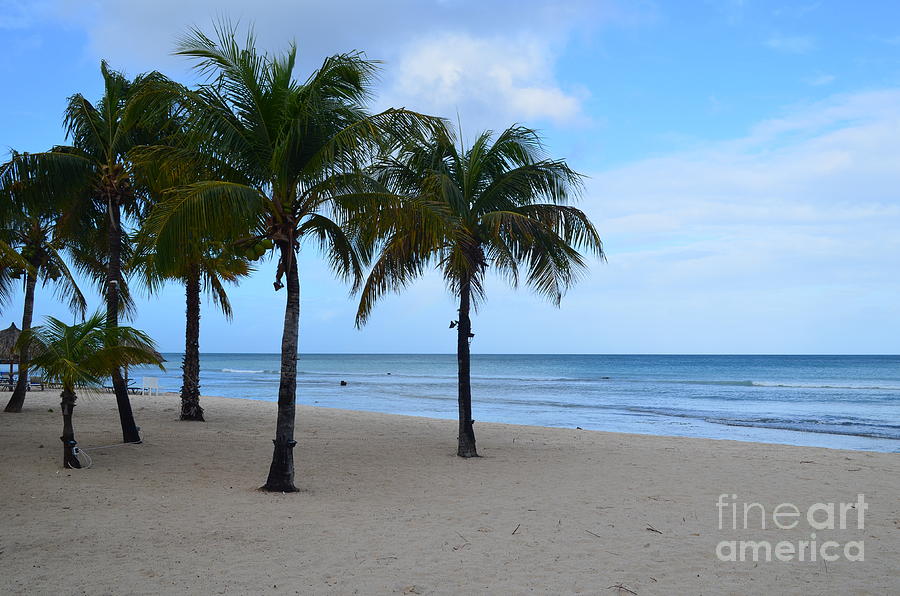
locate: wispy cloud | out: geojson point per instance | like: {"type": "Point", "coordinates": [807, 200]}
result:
{"type": "Point", "coordinates": [796, 10]}
{"type": "Point", "coordinates": [19, 14]}
{"type": "Point", "coordinates": [891, 41]}
{"type": "Point", "coordinates": [796, 44]}
{"type": "Point", "coordinates": [732, 10]}
{"type": "Point", "coordinates": [791, 227]}
{"type": "Point", "coordinates": [819, 80]}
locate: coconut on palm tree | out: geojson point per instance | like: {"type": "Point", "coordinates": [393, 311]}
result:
{"type": "Point", "coordinates": [94, 176]}
{"type": "Point", "coordinates": [28, 223]}
{"type": "Point", "coordinates": [287, 160]}
{"type": "Point", "coordinates": [500, 205]}
{"type": "Point", "coordinates": [80, 356]}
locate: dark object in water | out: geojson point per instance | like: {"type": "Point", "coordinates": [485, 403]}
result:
{"type": "Point", "coordinates": [343, 383]}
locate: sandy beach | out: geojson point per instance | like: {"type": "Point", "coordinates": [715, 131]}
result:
{"type": "Point", "coordinates": [386, 508]}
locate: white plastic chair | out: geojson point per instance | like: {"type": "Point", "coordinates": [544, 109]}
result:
{"type": "Point", "coordinates": [148, 384]}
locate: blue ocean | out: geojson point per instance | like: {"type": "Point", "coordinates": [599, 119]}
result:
{"type": "Point", "coordinates": [845, 402]}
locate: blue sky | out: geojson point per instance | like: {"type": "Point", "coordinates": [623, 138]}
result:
{"type": "Point", "coordinates": [743, 160]}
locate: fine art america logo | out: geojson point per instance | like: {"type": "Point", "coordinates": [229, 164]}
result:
{"type": "Point", "coordinates": [818, 517]}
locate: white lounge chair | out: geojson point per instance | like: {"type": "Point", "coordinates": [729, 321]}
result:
{"type": "Point", "coordinates": [148, 384]}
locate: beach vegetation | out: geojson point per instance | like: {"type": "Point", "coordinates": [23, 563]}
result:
{"type": "Point", "coordinates": [203, 266]}
{"type": "Point", "coordinates": [93, 180]}
{"type": "Point", "coordinates": [80, 356]}
{"type": "Point", "coordinates": [288, 160]}
{"type": "Point", "coordinates": [28, 230]}
{"type": "Point", "coordinates": [499, 205]}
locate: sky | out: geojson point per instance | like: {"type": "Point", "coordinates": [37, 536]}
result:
{"type": "Point", "coordinates": [742, 161]}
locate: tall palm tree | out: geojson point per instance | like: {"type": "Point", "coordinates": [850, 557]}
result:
{"type": "Point", "coordinates": [95, 174]}
{"type": "Point", "coordinates": [80, 356]}
{"type": "Point", "coordinates": [27, 228]}
{"type": "Point", "coordinates": [202, 266]}
{"type": "Point", "coordinates": [500, 204]}
{"type": "Point", "coordinates": [287, 160]}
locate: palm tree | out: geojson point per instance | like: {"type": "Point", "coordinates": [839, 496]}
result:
{"type": "Point", "coordinates": [498, 205]}
{"type": "Point", "coordinates": [287, 160]}
{"type": "Point", "coordinates": [202, 266]}
{"type": "Point", "coordinates": [95, 176]}
{"type": "Point", "coordinates": [27, 229]}
{"type": "Point", "coordinates": [81, 355]}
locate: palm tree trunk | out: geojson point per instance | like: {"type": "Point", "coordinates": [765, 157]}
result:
{"type": "Point", "coordinates": [190, 367]}
{"type": "Point", "coordinates": [281, 472]}
{"type": "Point", "coordinates": [464, 330]}
{"type": "Point", "coordinates": [70, 460]}
{"type": "Point", "coordinates": [130, 432]}
{"type": "Point", "coordinates": [18, 396]}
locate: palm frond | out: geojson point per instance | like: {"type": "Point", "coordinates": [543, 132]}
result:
{"type": "Point", "coordinates": [504, 206]}
{"type": "Point", "coordinates": [333, 241]}
{"type": "Point", "coordinates": [82, 355]}
{"type": "Point", "coordinates": [397, 265]}
{"type": "Point", "coordinates": [219, 210]}
{"type": "Point", "coordinates": [66, 287]}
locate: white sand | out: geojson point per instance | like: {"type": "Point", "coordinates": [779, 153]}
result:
{"type": "Point", "coordinates": [386, 507]}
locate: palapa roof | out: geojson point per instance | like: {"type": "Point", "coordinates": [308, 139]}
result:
{"type": "Point", "coordinates": [8, 339]}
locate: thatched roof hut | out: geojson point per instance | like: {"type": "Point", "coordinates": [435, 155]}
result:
{"type": "Point", "coordinates": [8, 339]}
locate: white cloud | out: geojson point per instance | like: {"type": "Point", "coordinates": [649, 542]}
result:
{"type": "Point", "coordinates": [491, 79]}
{"type": "Point", "coordinates": [143, 30]}
{"type": "Point", "coordinates": [438, 55]}
{"type": "Point", "coordinates": [797, 44]}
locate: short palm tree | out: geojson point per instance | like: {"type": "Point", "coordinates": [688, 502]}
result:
{"type": "Point", "coordinates": [80, 356]}
{"type": "Point", "coordinates": [201, 266]}
{"type": "Point", "coordinates": [27, 227]}
{"type": "Point", "coordinates": [286, 157]}
{"type": "Point", "coordinates": [499, 205]}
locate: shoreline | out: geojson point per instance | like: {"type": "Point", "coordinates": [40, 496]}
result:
{"type": "Point", "coordinates": [386, 507]}
{"type": "Point", "coordinates": [846, 404]}
{"type": "Point", "coordinates": [480, 423]}
{"type": "Point", "coordinates": [598, 430]}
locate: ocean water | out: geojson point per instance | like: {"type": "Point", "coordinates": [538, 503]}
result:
{"type": "Point", "coordinates": [846, 402]}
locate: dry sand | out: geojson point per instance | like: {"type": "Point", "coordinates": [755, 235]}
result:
{"type": "Point", "coordinates": [387, 508]}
